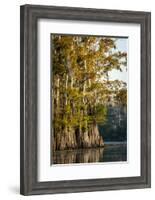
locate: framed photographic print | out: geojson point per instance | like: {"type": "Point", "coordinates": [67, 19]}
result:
{"type": "Point", "coordinates": [85, 99]}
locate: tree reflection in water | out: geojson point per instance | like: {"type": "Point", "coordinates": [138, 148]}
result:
{"type": "Point", "coordinates": [110, 153]}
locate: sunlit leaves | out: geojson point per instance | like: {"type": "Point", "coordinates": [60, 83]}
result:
{"type": "Point", "coordinates": [82, 65]}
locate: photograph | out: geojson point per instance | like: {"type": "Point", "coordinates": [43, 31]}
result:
{"type": "Point", "coordinates": [89, 90]}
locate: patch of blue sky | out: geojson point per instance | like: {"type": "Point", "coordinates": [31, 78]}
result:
{"type": "Point", "coordinates": [121, 45]}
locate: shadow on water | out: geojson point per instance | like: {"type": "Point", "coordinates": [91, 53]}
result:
{"type": "Point", "coordinates": [110, 153]}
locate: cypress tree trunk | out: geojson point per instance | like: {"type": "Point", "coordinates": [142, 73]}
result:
{"type": "Point", "coordinates": [70, 138]}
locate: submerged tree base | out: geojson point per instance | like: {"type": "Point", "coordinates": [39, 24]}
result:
{"type": "Point", "coordinates": [75, 138]}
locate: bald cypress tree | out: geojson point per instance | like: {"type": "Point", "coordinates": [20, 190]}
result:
{"type": "Point", "coordinates": [81, 88]}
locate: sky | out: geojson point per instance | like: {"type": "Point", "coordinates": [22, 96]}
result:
{"type": "Point", "coordinates": [121, 45]}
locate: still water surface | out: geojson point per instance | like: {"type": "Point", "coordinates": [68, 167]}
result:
{"type": "Point", "coordinates": [112, 152]}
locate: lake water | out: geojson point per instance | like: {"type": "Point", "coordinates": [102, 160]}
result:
{"type": "Point", "coordinates": [112, 152]}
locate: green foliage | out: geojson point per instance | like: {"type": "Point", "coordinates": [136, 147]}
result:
{"type": "Point", "coordinates": [121, 97]}
{"type": "Point", "coordinates": [100, 113]}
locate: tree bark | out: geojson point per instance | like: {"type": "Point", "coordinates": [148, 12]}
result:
{"type": "Point", "coordinates": [71, 138]}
